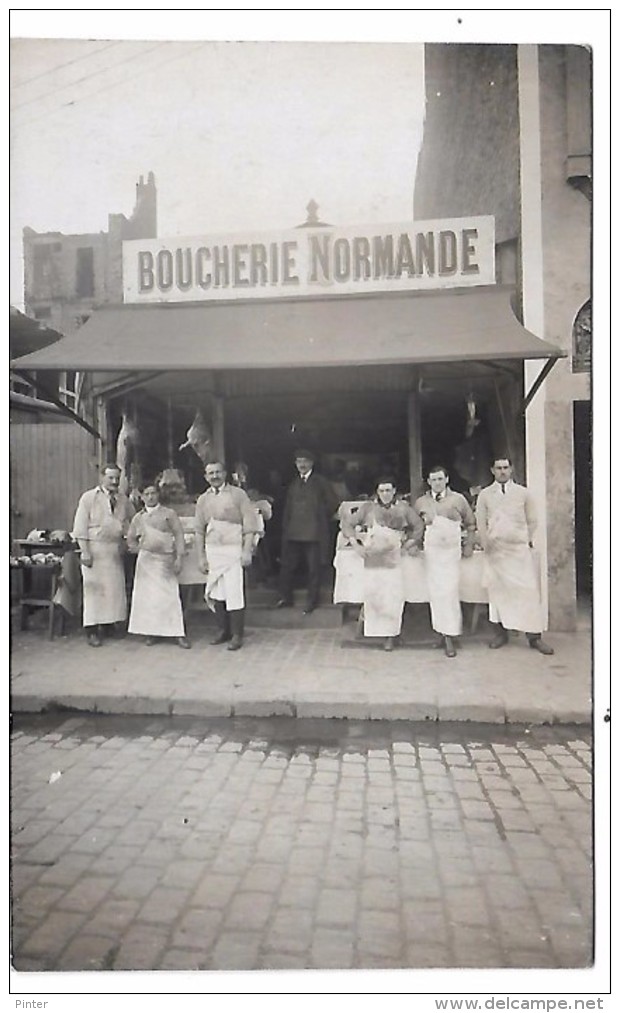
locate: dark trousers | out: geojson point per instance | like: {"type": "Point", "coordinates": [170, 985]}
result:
{"type": "Point", "coordinates": [292, 554]}
{"type": "Point", "coordinates": [229, 622]}
{"type": "Point", "coordinates": [530, 636]}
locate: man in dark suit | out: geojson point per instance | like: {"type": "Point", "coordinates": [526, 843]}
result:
{"type": "Point", "coordinates": [310, 505]}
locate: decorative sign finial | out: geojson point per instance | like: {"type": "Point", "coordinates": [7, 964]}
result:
{"type": "Point", "coordinates": [312, 207]}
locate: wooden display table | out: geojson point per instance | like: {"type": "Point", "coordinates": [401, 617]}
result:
{"type": "Point", "coordinates": [39, 584]}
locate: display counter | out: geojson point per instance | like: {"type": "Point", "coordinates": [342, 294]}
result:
{"type": "Point", "coordinates": [349, 582]}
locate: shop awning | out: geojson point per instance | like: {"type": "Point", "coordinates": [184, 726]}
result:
{"type": "Point", "coordinates": [456, 326]}
{"type": "Point", "coordinates": [26, 334]}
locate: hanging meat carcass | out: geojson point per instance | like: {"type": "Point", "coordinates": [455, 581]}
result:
{"type": "Point", "coordinates": [472, 418]}
{"type": "Point", "coordinates": [127, 451]}
{"type": "Point", "coordinates": [471, 457]}
{"type": "Point", "coordinates": [199, 437]}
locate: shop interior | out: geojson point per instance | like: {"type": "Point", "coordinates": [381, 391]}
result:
{"type": "Point", "coordinates": [358, 421]}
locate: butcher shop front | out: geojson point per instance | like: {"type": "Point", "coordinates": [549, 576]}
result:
{"type": "Point", "coordinates": [381, 349]}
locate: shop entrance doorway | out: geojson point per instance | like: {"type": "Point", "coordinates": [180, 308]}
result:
{"type": "Point", "coordinates": [582, 430]}
{"type": "Point", "coordinates": [355, 435]}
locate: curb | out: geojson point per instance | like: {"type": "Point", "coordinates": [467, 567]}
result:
{"type": "Point", "coordinates": [413, 711]}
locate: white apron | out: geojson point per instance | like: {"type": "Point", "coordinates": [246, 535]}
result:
{"type": "Point", "coordinates": [442, 561]}
{"type": "Point", "coordinates": [384, 588]}
{"type": "Point", "coordinates": [105, 598]}
{"type": "Point", "coordinates": [512, 576]}
{"type": "Point", "coordinates": [156, 604]}
{"type": "Point", "coordinates": [223, 544]}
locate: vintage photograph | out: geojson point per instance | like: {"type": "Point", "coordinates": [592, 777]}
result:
{"type": "Point", "coordinates": [301, 505]}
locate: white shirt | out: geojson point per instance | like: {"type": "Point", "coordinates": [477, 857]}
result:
{"type": "Point", "coordinates": [510, 510]}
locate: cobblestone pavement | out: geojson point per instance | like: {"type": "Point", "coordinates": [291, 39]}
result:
{"type": "Point", "coordinates": [182, 844]}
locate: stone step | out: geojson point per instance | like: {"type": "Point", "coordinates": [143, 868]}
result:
{"type": "Point", "coordinates": [325, 617]}
{"type": "Point", "coordinates": [260, 612]}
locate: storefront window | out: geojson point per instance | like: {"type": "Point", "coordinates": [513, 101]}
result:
{"type": "Point", "coordinates": [68, 388]}
{"type": "Point", "coordinates": [46, 282]}
{"type": "Point", "coordinates": [85, 272]}
{"type": "Point", "coordinates": [582, 339]}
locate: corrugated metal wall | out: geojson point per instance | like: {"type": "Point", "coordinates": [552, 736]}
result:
{"type": "Point", "coordinates": [52, 463]}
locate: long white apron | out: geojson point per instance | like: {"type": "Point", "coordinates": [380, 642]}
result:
{"type": "Point", "coordinates": [155, 603]}
{"type": "Point", "coordinates": [105, 597]}
{"type": "Point", "coordinates": [384, 587]}
{"type": "Point", "coordinates": [442, 561]}
{"type": "Point", "coordinates": [512, 576]}
{"type": "Point", "coordinates": [223, 544]}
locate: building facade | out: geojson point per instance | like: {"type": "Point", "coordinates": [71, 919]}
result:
{"type": "Point", "coordinates": [427, 363]}
{"type": "Point", "coordinates": [66, 276]}
{"type": "Point", "coordinates": [384, 349]}
{"type": "Point", "coordinates": [508, 133]}
{"type": "Point", "coordinates": [51, 457]}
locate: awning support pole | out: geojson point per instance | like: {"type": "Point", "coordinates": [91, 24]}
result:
{"type": "Point", "coordinates": [51, 396]}
{"type": "Point", "coordinates": [414, 432]}
{"type": "Point", "coordinates": [218, 427]}
{"type": "Point", "coordinates": [505, 426]}
{"type": "Point", "coordinates": [540, 379]}
{"type": "Point", "coordinates": [103, 423]}
{"type": "Point", "coordinates": [169, 433]}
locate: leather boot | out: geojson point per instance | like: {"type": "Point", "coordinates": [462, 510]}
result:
{"type": "Point", "coordinates": [237, 627]}
{"type": "Point", "coordinates": [449, 647]}
{"type": "Point", "coordinates": [93, 636]}
{"type": "Point", "coordinates": [500, 638]}
{"type": "Point", "coordinates": [538, 644]}
{"type": "Point", "coordinates": [223, 623]}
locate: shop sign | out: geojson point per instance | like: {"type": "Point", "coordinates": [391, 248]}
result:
{"type": "Point", "coordinates": [448, 253]}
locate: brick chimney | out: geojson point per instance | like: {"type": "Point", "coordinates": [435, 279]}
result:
{"type": "Point", "coordinates": [143, 221]}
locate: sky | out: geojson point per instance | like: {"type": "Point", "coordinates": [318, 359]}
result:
{"type": "Point", "coordinates": [240, 135]}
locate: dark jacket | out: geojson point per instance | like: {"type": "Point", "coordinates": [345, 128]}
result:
{"type": "Point", "coordinates": [325, 502]}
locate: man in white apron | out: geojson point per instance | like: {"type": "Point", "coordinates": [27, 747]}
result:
{"type": "Point", "coordinates": [506, 525]}
{"type": "Point", "coordinates": [101, 522]}
{"type": "Point", "coordinates": [225, 527]}
{"type": "Point", "coordinates": [381, 531]}
{"type": "Point", "coordinates": [449, 527]}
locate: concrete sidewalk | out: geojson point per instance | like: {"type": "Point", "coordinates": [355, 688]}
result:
{"type": "Point", "coordinates": [321, 673]}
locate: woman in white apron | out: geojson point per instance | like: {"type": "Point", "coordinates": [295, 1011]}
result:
{"type": "Point", "coordinates": [156, 535]}
{"type": "Point", "coordinates": [381, 531]}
